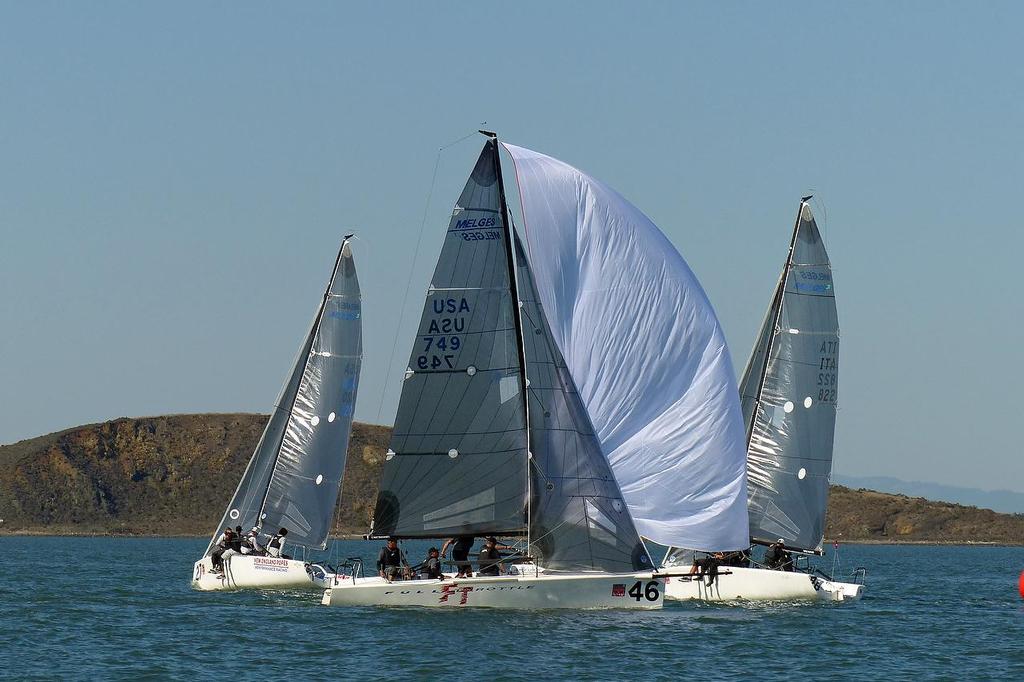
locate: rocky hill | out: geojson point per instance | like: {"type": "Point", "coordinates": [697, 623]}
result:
{"type": "Point", "coordinates": [173, 475]}
{"type": "Point", "coordinates": [169, 475]}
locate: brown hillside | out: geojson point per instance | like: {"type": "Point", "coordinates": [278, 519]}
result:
{"type": "Point", "coordinates": [174, 475]}
{"type": "Point", "coordinates": [869, 515]}
{"type": "Point", "coordinates": [155, 475]}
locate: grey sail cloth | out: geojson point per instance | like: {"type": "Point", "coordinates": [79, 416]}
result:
{"type": "Point", "coordinates": [457, 458]}
{"type": "Point", "coordinates": [678, 556]}
{"type": "Point", "coordinates": [294, 476]}
{"type": "Point", "coordinates": [579, 521]}
{"type": "Point", "coordinates": [789, 393]}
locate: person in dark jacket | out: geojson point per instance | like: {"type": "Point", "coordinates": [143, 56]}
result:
{"type": "Point", "coordinates": [460, 554]}
{"type": "Point", "coordinates": [708, 566]}
{"type": "Point", "coordinates": [430, 569]}
{"type": "Point", "coordinates": [236, 542]}
{"type": "Point", "coordinates": [489, 561]}
{"type": "Point", "coordinates": [777, 557]}
{"type": "Point", "coordinates": [391, 563]}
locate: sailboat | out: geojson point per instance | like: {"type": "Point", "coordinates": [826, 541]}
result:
{"type": "Point", "coordinates": [491, 436]}
{"type": "Point", "coordinates": [294, 476]}
{"type": "Point", "coordinates": [789, 393]}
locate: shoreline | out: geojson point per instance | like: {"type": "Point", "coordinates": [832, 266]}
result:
{"type": "Point", "coordinates": [109, 534]}
{"type": "Point", "coordinates": [359, 536]}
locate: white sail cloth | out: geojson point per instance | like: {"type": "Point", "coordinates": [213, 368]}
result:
{"type": "Point", "coordinates": [646, 351]}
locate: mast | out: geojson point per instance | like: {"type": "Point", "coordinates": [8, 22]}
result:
{"type": "Point", "coordinates": [780, 291]}
{"type": "Point", "coordinates": [305, 362]}
{"type": "Point", "coordinates": [514, 288]}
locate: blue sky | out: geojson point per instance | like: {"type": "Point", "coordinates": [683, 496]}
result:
{"type": "Point", "coordinates": [175, 180]}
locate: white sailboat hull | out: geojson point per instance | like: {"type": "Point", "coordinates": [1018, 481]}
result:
{"type": "Point", "coordinates": [255, 572]}
{"type": "Point", "coordinates": [758, 584]}
{"type": "Point", "coordinates": [544, 591]}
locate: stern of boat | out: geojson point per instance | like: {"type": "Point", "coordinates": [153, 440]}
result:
{"type": "Point", "coordinates": [835, 591]}
{"type": "Point", "coordinates": [203, 577]}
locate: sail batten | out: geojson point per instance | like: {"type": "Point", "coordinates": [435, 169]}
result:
{"type": "Point", "coordinates": [789, 393]}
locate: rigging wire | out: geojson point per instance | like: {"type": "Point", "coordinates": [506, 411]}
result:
{"type": "Point", "coordinates": [412, 269]}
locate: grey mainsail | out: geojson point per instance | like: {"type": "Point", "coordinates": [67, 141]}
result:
{"type": "Point", "coordinates": [295, 474]}
{"type": "Point", "coordinates": [457, 458]}
{"type": "Point", "coordinates": [789, 393]}
{"type": "Point", "coordinates": [578, 519]}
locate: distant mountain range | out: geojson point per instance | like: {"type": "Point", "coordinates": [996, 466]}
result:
{"type": "Point", "coordinates": [1005, 501]}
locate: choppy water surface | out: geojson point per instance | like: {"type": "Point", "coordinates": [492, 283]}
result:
{"type": "Point", "coordinates": [122, 608]}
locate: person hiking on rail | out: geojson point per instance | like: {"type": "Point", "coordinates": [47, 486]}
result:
{"type": "Point", "coordinates": [708, 566]}
{"type": "Point", "coordinates": [223, 545]}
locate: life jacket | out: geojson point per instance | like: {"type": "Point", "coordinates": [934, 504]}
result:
{"type": "Point", "coordinates": [488, 561]}
{"type": "Point", "coordinates": [432, 567]}
{"type": "Point", "coordinates": [392, 557]}
{"type": "Point", "coordinates": [275, 543]}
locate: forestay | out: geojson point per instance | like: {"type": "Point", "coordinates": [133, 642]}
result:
{"type": "Point", "coordinates": [457, 459]}
{"type": "Point", "coordinates": [646, 351]}
{"type": "Point", "coordinates": [578, 519]}
{"type": "Point", "coordinates": [294, 476]}
{"type": "Point", "coordinates": [789, 393]}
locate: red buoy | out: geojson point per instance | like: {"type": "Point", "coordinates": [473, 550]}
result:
{"type": "Point", "coordinates": [1020, 585]}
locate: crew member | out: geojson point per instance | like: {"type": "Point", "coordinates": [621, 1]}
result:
{"type": "Point", "coordinates": [391, 563]}
{"type": "Point", "coordinates": [431, 566]}
{"type": "Point", "coordinates": [236, 542]}
{"type": "Point", "coordinates": [490, 560]}
{"type": "Point", "coordinates": [777, 557]}
{"type": "Point", "coordinates": [223, 545]}
{"type": "Point", "coordinates": [460, 554]}
{"type": "Point", "coordinates": [251, 543]}
{"type": "Point", "coordinates": [275, 547]}
{"type": "Point", "coordinates": [708, 566]}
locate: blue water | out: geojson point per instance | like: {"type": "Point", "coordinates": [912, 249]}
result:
{"type": "Point", "coordinates": [75, 608]}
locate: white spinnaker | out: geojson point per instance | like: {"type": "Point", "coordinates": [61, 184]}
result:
{"type": "Point", "coordinates": [646, 351]}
